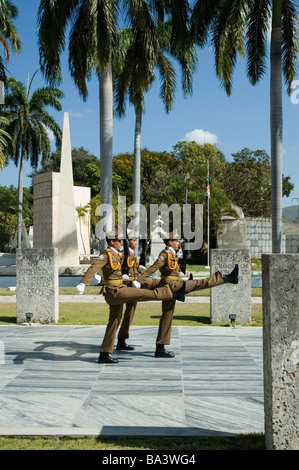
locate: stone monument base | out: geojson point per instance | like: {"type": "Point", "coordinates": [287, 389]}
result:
{"type": "Point", "coordinates": [230, 298]}
{"type": "Point", "coordinates": [37, 285]}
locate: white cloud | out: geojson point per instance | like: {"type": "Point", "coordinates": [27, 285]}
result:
{"type": "Point", "coordinates": [75, 114]}
{"type": "Point", "coordinates": [201, 137]}
{"type": "Point", "coordinates": [50, 133]}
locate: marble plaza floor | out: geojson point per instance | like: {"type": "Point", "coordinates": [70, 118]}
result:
{"type": "Point", "coordinates": [51, 383]}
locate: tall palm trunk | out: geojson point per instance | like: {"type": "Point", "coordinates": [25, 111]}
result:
{"type": "Point", "coordinates": [137, 165]}
{"type": "Point", "coordinates": [20, 201]}
{"type": "Point", "coordinates": [106, 140]}
{"type": "Point", "coordinates": [276, 121]}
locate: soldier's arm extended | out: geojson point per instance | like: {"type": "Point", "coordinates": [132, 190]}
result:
{"type": "Point", "coordinates": [95, 268]}
{"type": "Point", "coordinates": [160, 261]}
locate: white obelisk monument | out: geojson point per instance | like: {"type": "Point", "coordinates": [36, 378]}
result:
{"type": "Point", "coordinates": [66, 241]}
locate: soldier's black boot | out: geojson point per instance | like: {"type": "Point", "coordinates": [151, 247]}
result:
{"type": "Point", "coordinates": [180, 294]}
{"type": "Point", "coordinates": [123, 346]}
{"type": "Point", "coordinates": [233, 277]}
{"type": "Point", "coordinates": [161, 351]}
{"type": "Point", "coordinates": [104, 358]}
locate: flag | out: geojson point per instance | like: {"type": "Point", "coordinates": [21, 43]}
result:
{"type": "Point", "coordinates": [208, 186]}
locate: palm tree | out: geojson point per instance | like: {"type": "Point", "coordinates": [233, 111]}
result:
{"type": "Point", "coordinates": [82, 214]}
{"type": "Point", "coordinates": [29, 125]}
{"type": "Point", "coordinates": [9, 38]}
{"type": "Point", "coordinates": [134, 79]}
{"type": "Point", "coordinates": [241, 27]}
{"type": "Point", "coordinates": [92, 27]}
{"type": "Point", "coordinates": [134, 76]}
{"type": "Point", "coordinates": [91, 44]}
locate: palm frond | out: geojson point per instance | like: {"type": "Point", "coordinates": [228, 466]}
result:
{"type": "Point", "coordinates": [203, 14]}
{"type": "Point", "coordinates": [289, 42]}
{"type": "Point", "coordinates": [228, 33]}
{"type": "Point", "coordinates": [168, 80]}
{"type": "Point", "coordinates": [46, 96]}
{"type": "Point", "coordinates": [82, 46]}
{"type": "Point", "coordinates": [9, 12]}
{"type": "Point", "coordinates": [259, 15]}
{"type": "Point", "coordinates": [105, 31]}
{"type": "Point", "coordinates": [52, 19]}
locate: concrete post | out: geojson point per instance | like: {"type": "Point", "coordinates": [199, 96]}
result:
{"type": "Point", "coordinates": [37, 284]}
{"type": "Point", "coordinates": [229, 298]}
{"type": "Point", "coordinates": [281, 350]}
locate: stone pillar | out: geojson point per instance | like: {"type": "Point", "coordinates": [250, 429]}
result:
{"type": "Point", "coordinates": [281, 350]}
{"type": "Point", "coordinates": [230, 298]}
{"type": "Point", "coordinates": [37, 284]}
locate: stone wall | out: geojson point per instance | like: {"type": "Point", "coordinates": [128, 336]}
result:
{"type": "Point", "coordinates": [281, 350]}
{"type": "Point", "coordinates": [259, 236]}
{"type": "Point", "coordinates": [292, 244]}
{"type": "Point", "coordinates": [256, 236]}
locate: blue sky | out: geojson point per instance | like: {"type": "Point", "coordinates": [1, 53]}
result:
{"type": "Point", "coordinates": [232, 123]}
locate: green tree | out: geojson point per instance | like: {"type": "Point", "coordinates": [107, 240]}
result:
{"type": "Point", "coordinates": [247, 182]}
{"type": "Point", "coordinates": [28, 126]}
{"type": "Point", "coordinates": [8, 214]}
{"type": "Point", "coordinates": [82, 213]}
{"type": "Point", "coordinates": [152, 163]}
{"type": "Point", "coordinates": [193, 162]}
{"type": "Point", "coordinates": [86, 168]}
{"type": "Point", "coordinates": [241, 27]}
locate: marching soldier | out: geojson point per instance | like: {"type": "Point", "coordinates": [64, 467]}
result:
{"type": "Point", "coordinates": [167, 264]}
{"type": "Point", "coordinates": [134, 271]}
{"type": "Point", "coordinates": [116, 293]}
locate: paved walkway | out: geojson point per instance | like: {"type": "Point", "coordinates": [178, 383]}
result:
{"type": "Point", "coordinates": [51, 383]}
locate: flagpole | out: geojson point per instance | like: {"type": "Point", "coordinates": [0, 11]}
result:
{"type": "Point", "coordinates": [208, 216]}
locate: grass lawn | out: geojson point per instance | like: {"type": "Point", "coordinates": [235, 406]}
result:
{"type": "Point", "coordinates": [148, 314]}
{"type": "Point", "coordinates": [239, 442]}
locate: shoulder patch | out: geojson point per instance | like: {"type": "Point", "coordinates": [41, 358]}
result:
{"type": "Point", "coordinates": [101, 257]}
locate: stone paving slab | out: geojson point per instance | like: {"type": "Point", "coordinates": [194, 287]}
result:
{"type": "Point", "coordinates": [51, 383]}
